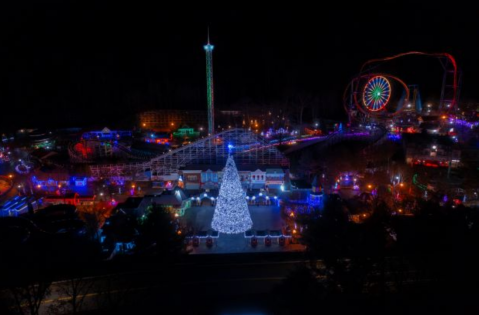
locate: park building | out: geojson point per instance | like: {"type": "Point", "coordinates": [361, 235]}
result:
{"type": "Point", "coordinates": [431, 151]}
{"type": "Point", "coordinates": [201, 177]}
{"type": "Point", "coordinates": [170, 120]}
{"type": "Point", "coordinates": [303, 197]}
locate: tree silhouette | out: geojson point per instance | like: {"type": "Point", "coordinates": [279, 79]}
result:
{"type": "Point", "coordinates": [31, 291]}
{"type": "Point", "coordinates": [300, 293]}
{"type": "Point", "coordinates": [75, 288]}
{"type": "Point", "coordinates": [159, 232]}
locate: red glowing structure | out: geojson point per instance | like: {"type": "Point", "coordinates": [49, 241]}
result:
{"type": "Point", "coordinates": [369, 93]}
{"type": "Point", "coordinates": [450, 85]}
{"type": "Point", "coordinates": [85, 151]}
{"type": "Point", "coordinates": [159, 138]}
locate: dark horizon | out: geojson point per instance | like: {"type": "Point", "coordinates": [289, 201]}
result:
{"type": "Point", "coordinates": [72, 64]}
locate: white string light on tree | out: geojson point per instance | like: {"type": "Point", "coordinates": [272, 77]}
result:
{"type": "Point", "coordinates": [231, 212]}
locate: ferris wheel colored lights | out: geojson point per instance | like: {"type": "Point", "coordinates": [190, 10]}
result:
{"type": "Point", "coordinates": [377, 93]}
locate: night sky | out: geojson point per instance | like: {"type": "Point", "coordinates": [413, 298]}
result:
{"type": "Point", "coordinates": [77, 63]}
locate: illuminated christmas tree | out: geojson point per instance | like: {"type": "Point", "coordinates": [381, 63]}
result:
{"type": "Point", "coordinates": [231, 212]}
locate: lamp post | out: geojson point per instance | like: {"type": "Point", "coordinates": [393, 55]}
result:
{"type": "Point", "coordinates": [21, 186]}
{"type": "Point", "coordinates": [388, 164]}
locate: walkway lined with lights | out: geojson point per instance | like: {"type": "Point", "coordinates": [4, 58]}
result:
{"type": "Point", "coordinates": [15, 206]}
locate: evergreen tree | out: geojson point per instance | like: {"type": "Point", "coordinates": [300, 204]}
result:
{"type": "Point", "coordinates": [231, 212]}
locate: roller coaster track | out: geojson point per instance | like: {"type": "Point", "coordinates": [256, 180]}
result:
{"type": "Point", "coordinates": [121, 150]}
{"type": "Point", "coordinates": [247, 147]}
{"type": "Point", "coordinates": [417, 184]}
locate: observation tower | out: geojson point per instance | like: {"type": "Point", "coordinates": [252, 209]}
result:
{"type": "Point", "coordinates": [209, 86]}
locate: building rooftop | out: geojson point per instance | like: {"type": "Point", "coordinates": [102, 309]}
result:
{"type": "Point", "coordinates": [426, 139]}
{"type": "Point", "coordinates": [300, 184]}
{"type": "Point", "coordinates": [59, 174]}
{"type": "Point", "coordinates": [56, 197]}
{"type": "Point", "coordinates": [170, 197]}
{"type": "Point", "coordinates": [130, 206]}
{"type": "Point", "coordinates": [132, 202]}
{"type": "Point", "coordinates": [241, 168]}
{"type": "Point", "coordinates": [274, 171]}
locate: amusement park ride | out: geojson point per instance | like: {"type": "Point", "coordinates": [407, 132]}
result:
{"type": "Point", "coordinates": [371, 96]}
{"type": "Point", "coordinates": [376, 96]}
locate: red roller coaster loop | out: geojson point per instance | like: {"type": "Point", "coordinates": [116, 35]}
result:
{"type": "Point", "coordinates": [360, 107]}
{"type": "Point", "coordinates": [448, 57]}
{"type": "Point", "coordinates": [366, 69]}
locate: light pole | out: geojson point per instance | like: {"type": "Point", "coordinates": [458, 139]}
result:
{"type": "Point", "coordinates": [388, 164]}
{"type": "Point", "coordinates": [21, 186]}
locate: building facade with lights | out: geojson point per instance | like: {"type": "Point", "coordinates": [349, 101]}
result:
{"type": "Point", "coordinates": [175, 201]}
{"type": "Point", "coordinates": [171, 120]}
{"type": "Point", "coordinates": [303, 198]}
{"type": "Point", "coordinates": [158, 138]}
{"type": "Point", "coordinates": [186, 133]}
{"type": "Point", "coordinates": [69, 199]}
{"type": "Point", "coordinates": [431, 151]}
{"type": "Point", "coordinates": [198, 177]}
{"type": "Point", "coordinates": [107, 134]}
{"type": "Point", "coordinates": [51, 179]}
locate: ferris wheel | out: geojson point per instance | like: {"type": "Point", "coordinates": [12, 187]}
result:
{"type": "Point", "coordinates": [382, 95]}
{"type": "Point", "coordinates": [377, 93]}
